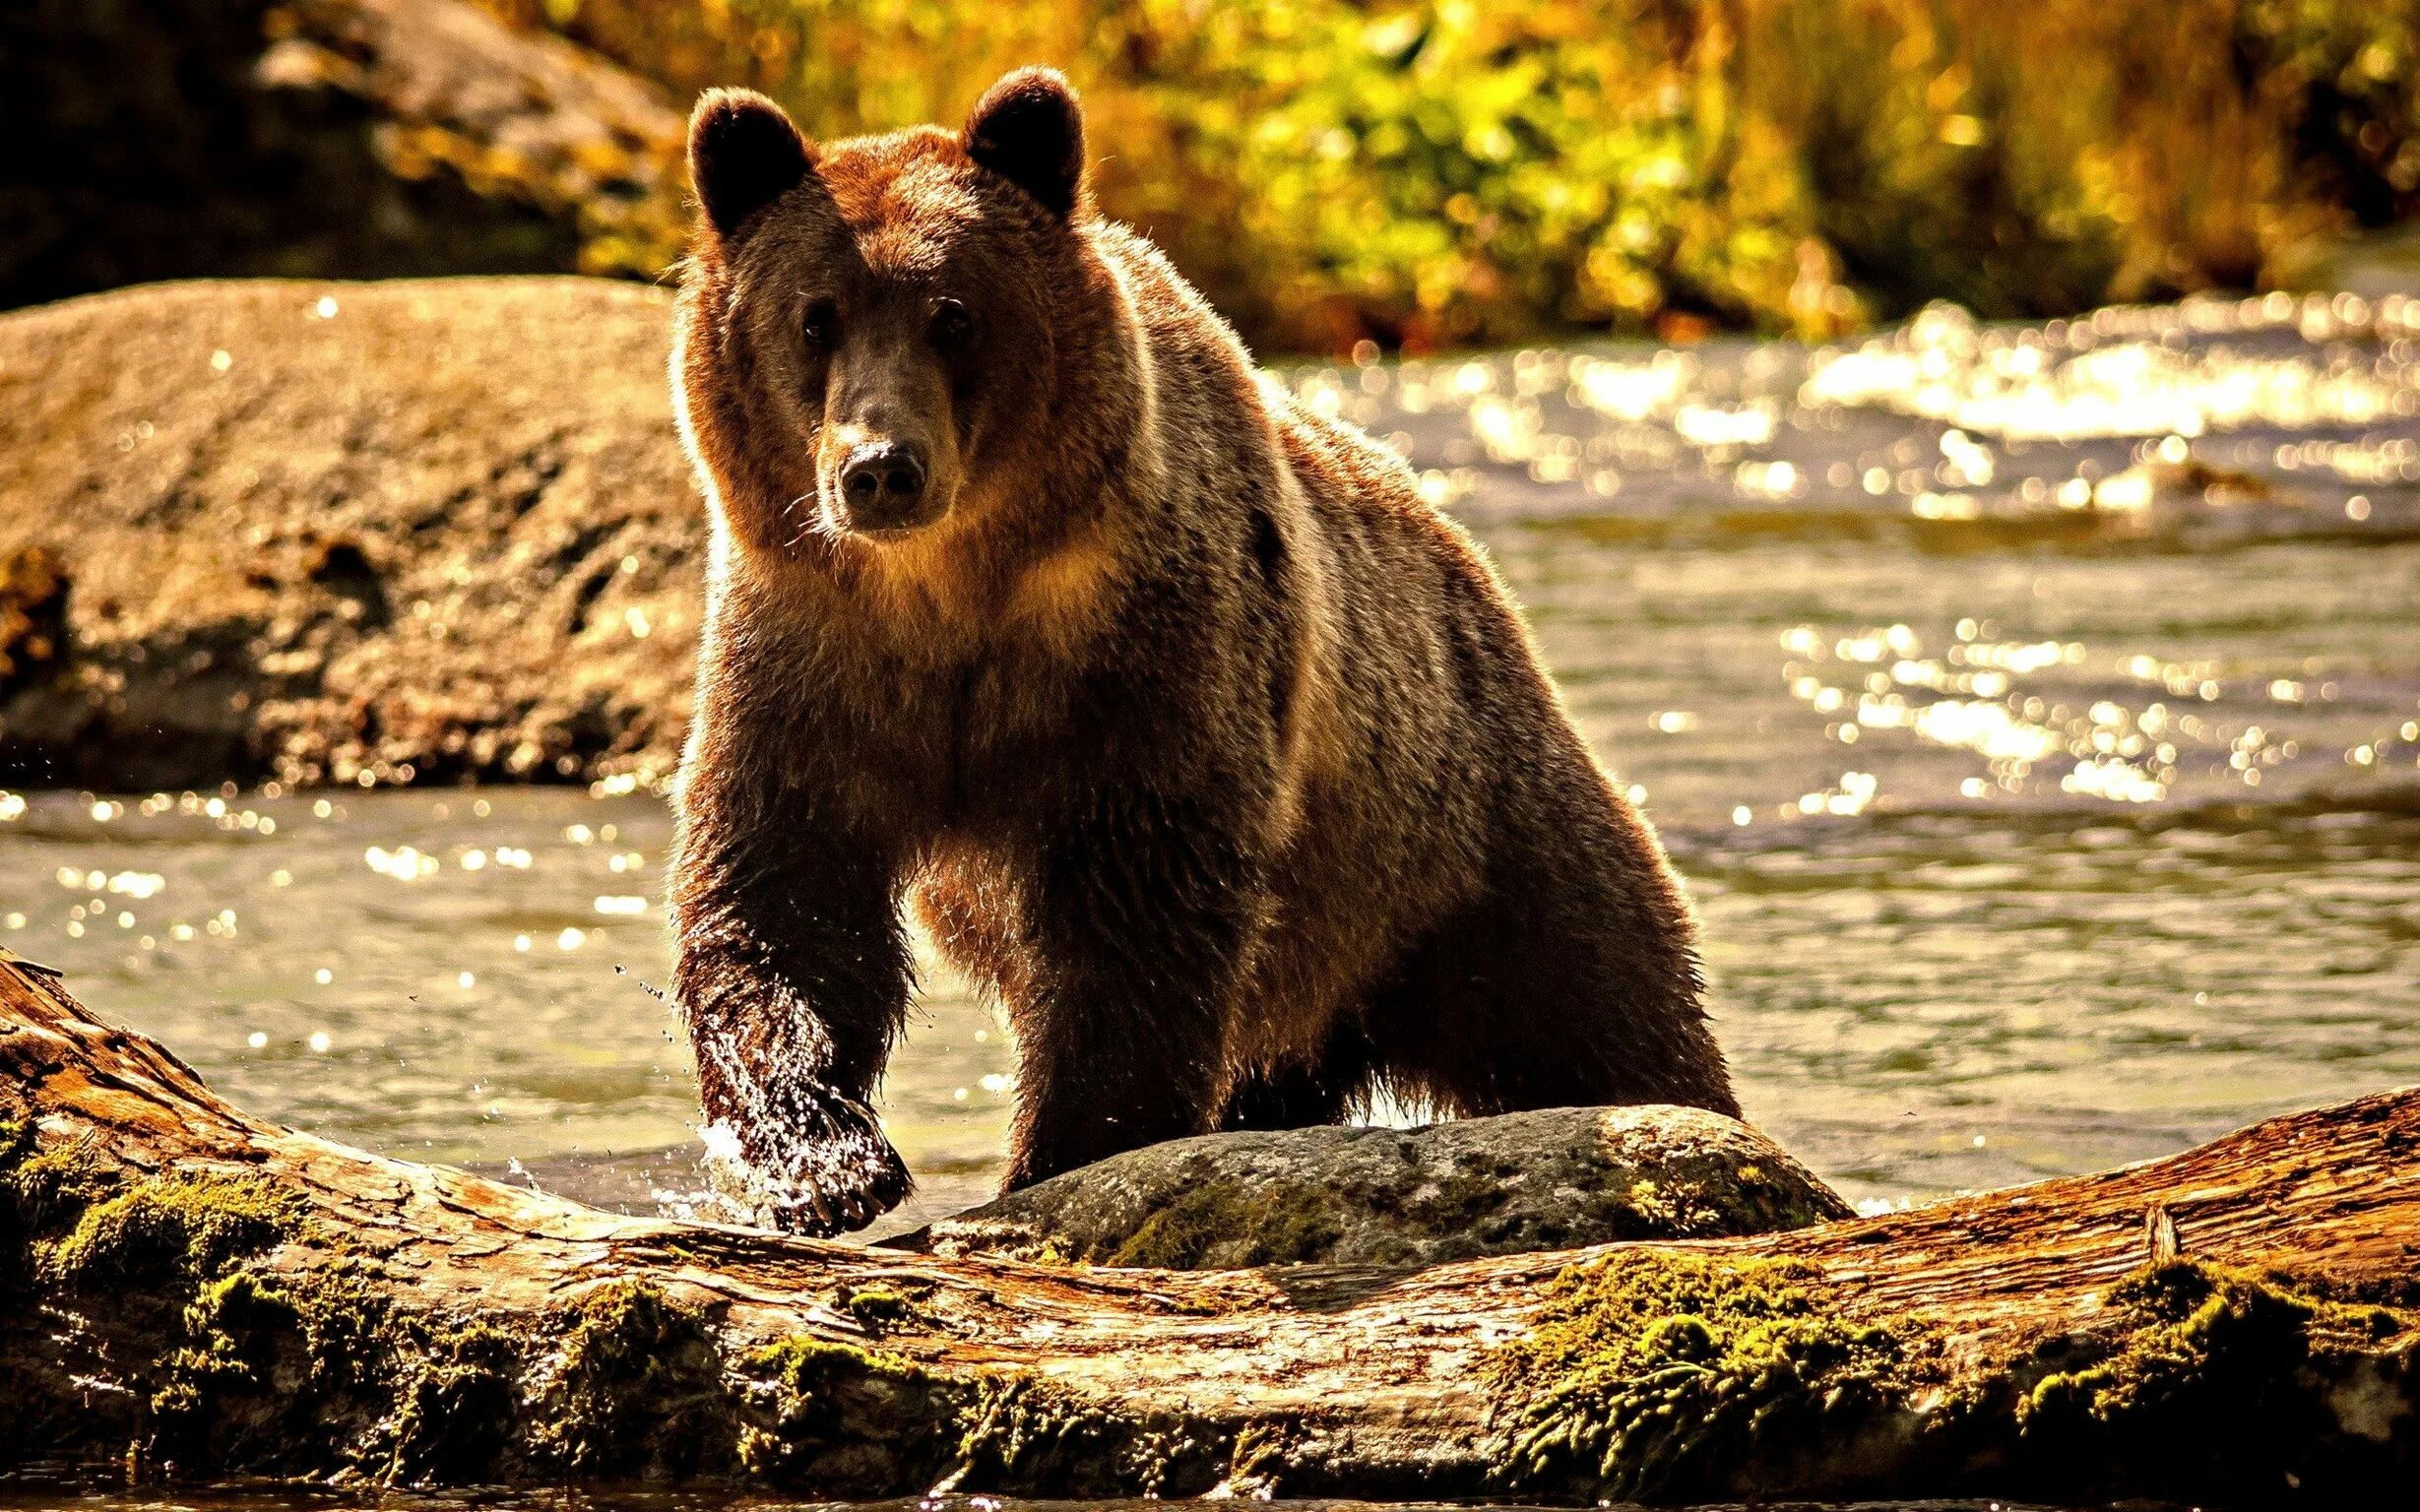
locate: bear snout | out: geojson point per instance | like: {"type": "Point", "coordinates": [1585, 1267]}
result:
{"type": "Point", "coordinates": [883, 485]}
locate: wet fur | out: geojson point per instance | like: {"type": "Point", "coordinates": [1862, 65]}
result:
{"type": "Point", "coordinates": [1190, 731]}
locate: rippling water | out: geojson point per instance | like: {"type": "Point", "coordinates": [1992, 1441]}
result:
{"type": "Point", "coordinates": [2035, 713]}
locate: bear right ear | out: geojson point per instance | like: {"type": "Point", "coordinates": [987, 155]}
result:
{"type": "Point", "coordinates": [744, 154]}
{"type": "Point", "coordinates": [1029, 129]}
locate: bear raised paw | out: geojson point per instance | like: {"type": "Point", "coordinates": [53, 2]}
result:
{"type": "Point", "coordinates": [1189, 731]}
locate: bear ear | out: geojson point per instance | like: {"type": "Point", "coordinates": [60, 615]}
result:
{"type": "Point", "coordinates": [744, 154]}
{"type": "Point", "coordinates": [1029, 129]}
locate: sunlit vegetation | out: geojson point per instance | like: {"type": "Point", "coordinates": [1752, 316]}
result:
{"type": "Point", "coordinates": [1429, 174]}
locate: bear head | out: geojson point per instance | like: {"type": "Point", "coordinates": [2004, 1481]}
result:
{"type": "Point", "coordinates": [885, 333]}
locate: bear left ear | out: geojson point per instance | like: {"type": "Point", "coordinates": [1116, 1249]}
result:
{"type": "Point", "coordinates": [745, 152]}
{"type": "Point", "coordinates": [1029, 129]}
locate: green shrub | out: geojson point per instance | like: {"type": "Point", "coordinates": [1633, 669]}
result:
{"type": "Point", "coordinates": [1431, 174]}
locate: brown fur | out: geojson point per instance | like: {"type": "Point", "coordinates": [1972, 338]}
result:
{"type": "Point", "coordinates": [1226, 762]}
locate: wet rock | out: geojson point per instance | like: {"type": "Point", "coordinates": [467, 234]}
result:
{"type": "Point", "coordinates": [2166, 489]}
{"type": "Point", "coordinates": [1555, 1179]}
{"type": "Point", "coordinates": [318, 531]}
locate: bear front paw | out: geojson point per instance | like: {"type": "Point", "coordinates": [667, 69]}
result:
{"type": "Point", "coordinates": [822, 1167]}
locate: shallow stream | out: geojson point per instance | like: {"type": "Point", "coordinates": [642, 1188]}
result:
{"type": "Point", "coordinates": [2034, 712]}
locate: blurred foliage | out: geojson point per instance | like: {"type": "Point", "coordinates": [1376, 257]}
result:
{"type": "Point", "coordinates": [1424, 174]}
{"type": "Point", "coordinates": [168, 139]}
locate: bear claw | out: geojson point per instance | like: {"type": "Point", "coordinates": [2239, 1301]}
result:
{"type": "Point", "coordinates": [821, 1166]}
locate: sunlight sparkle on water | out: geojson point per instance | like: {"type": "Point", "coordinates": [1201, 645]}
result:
{"type": "Point", "coordinates": [2119, 373]}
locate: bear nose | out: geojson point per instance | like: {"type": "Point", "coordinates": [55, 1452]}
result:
{"type": "Point", "coordinates": [883, 478]}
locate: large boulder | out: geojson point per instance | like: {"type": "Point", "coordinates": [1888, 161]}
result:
{"type": "Point", "coordinates": [352, 532]}
{"type": "Point", "coordinates": [1555, 1179]}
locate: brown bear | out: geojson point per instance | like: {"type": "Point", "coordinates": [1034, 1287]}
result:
{"type": "Point", "coordinates": [1191, 731]}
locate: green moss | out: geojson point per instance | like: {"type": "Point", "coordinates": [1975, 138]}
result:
{"type": "Point", "coordinates": [251, 1336]}
{"type": "Point", "coordinates": [1033, 1437]}
{"type": "Point", "coordinates": [42, 1188]}
{"type": "Point", "coordinates": [1460, 1201]}
{"type": "Point", "coordinates": [215, 1362]}
{"type": "Point", "coordinates": [636, 1387]}
{"type": "Point", "coordinates": [1670, 1207]}
{"type": "Point", "coordinates": [1648, 1373]}
{"type": "Point", "coordinates": [2229, 1367]}
{"type": "Point", "coordinates": [1285, 1227]}
{"type": "Point", "coordinates": [2188, 1321]}
{"type": "Point", "coordinates": [282, 1371]}
{"type": "Point", "coordinates": [16, 1212]}
{"type": "Point", "coordinates": [169, 1226]}
{"type": "Point", "coordinates": [840, 1421]}
{"type": "Point", "coordinates": [800, 1362]}
{"type": "Point", "coordinates": [316, 1371]}
{"type": "Point", "coordinates": [1653, 1375]}
{"type": "Point", "coordinates": [453, 1407]}
{"type": "Point", "coordinates": [877, 1307]}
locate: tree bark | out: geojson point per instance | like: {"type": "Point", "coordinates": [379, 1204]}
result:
{"type": "Point", "coordinates": [188, 1290]}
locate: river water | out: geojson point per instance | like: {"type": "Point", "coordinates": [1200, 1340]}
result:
{"type": "Point", "coordinates": [2035, 713]}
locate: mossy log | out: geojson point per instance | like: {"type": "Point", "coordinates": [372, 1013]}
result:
{"type": "Point", "coordinates": [186, 1290]}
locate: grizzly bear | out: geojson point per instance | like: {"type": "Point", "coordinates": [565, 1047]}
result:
{"type": "Point", "coordinates": [1190, 730]}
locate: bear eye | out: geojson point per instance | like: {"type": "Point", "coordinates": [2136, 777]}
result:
{"type": "Point", "coordinates": [817, 325]}
{"type": "Point", "coordinates": [951, 325]}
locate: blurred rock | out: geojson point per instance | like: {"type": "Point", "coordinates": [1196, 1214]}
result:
{"type": "Point", "coordinates": [1559, 1178]}
{"type": "Point", "coordinates": [32, 616]}
{"type": "Point", "coordinates": [317, 531]}
{"type": "Point", "coordinates": [166, 139]}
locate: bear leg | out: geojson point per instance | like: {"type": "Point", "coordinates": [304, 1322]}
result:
{"type": "Point", "coordinates": [792, 974]}
{"type": "Point", "coordinates": [1107, 1082]}
{"type": "Point", "coordinates": [1561, 987]}
{"type": "Point", "coordinates": [1137, 920]}
{"type": "Point", "coordinates": [1305, 1096]}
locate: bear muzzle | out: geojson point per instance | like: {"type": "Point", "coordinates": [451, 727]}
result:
{"type": "Point", "coordinates": [885, 487]}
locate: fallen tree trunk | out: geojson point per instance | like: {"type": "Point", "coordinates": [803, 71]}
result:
{"type": "Point", "coordinates": [188, 1290]}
